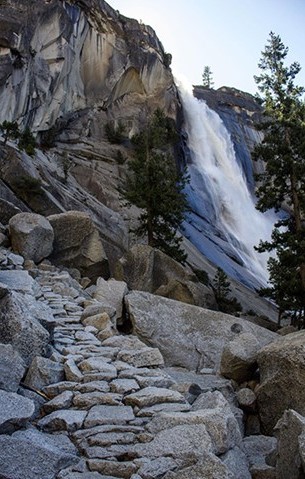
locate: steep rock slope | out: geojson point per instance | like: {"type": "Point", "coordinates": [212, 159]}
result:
{"type": "Point", "coordinates": [68, 69]}
{"type": "Point", "coordinates": [60, 57]}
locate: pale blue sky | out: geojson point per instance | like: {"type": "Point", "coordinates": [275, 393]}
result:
{"type": "Point", "coordinates": [227, 35]}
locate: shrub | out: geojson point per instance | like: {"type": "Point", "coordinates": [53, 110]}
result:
{"type": "Point", "coordinates": [28, 185]}
{"type": "Point", "coordinates": [27, 142]}
{"type": "Point", "coordinates": [120, 158]}
{"type": "Point", "coordinates": [66, 165]}
{"type": "Point", "coordinates": [202, 276]}
{"type": "Point", "coordinates": [222, 290]}
{"type": "Point", "coordinates": [167, 59]}
{"type": "Point", "coordinates": [115, 134]}
{"type": "Point", "coordinates": [10, 130]}
{"type": "Point", "coordinates": [48, 137]}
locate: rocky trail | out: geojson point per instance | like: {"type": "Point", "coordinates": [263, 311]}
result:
{"type": "Point", "coordinates": [103, 404]}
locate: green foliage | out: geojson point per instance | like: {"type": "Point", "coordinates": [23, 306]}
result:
{"type": "Point", "coordinates": [285, 286]}
{"type": "Point", "coordinates": [66, 165]}
{"type": "Point", "coordinates": [27, 185]}
{"type": "Point", "coordinates": [167, 59]}
{"type": "Point", "coordinates": [207, 77]}
{"type": "Point", "coordinates": [221, 285]}
{"type": "Point", "coordinates": [48, 137]}
{"type": "Point", "coordinates": [115, 133]}
{"type": "Point", "coordinates": [154, 184]}
{"type": "Point", "coordinates": [10, 130]}
{"type": "Point", "coordinates": [222, 291]}
{"type": "Point", "coordinates": [283, 151]}
{"type": "Point", "coordinates": [120, 158]}
{"type": "Point", "coordinates": [202, 276]}
{"type": "Point", "coordinates": [27, 142]}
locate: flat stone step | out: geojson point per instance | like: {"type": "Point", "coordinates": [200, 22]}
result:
{"type": "Point", "coordinates": [99, 415]}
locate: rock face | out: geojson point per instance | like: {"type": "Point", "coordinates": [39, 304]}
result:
{"type": "Point", "coordinates": [281, 365]}
{"type": "Point", "coordinates": [12, 368]}
{"type": "Point", "coordinates": [43, 371]}
{"type": "Point", "coordinates": [186, 335]}
{"type": "Point", "coordinates": [290, 430]}
{"type": "Point", "coordinates": [239, 357]}
{"type": "Point", "coordinates": [87, 43]}
{"type": "Point", "coordinates": [15, 411]}
{"type": "Point", "coordinates": [68, 69]}
{"type": "Point", "coordinates": [20, 327]}
{"type": "Point", "coordinates": [77, 244]}
{"type": "Point", "coordinates": [7, 211]}
{"type": "Point", "coordinates": [259, 451]}
{"type": "Point", "coordinates": [147, 269]}
{"type": "Point", "coordinates": [31, 236]}
{"type": "Point", "coordinates": [110, 294]}
{"type": "Point", "coordinates": [45, 455]}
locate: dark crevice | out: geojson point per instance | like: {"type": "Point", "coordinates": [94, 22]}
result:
{"type": "Point", "coordinates": [125, 325]}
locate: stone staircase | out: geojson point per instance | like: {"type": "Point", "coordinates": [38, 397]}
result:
{"type": "Point", "coordinates": [112, 407]}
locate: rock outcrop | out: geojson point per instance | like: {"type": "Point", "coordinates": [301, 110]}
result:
{"type": "Point", "coordinates": [59, 58]}
{"type": "Point", "coordinates": [20, 326]}
{"type": "Point", "coordinates": [12, 368]}
{"type": "Point", "coordinates": [67, 70]}
{"type": "Point", "coordinates": [188, 336]}
{"type": "Point", "coordinates": [290, 431]}
{"type": "Point", "coordinates": [281, 365]}
{"type": "Point", "coordinates": [31, 236]}
{"type": "Point", "coordinates": [147, 269]}
{"type": "Point", "coordinates": [77, 244]}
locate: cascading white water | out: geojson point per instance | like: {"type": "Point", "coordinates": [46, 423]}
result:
{"type": "Point", "coordinates": [232, 205]}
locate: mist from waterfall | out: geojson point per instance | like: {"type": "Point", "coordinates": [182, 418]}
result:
{"type": "Point", "coordinates": [220, 188]}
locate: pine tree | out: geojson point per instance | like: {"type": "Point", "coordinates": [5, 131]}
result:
{"type": "Point", "coordinates": [222, 291]}
{"type": "Point", "coordinates": [154, 184]}
{"type": "Point", "coordinates": [10, 130]}
{"type": "Point", "coordinates": [283, 152]}
{"type": "Point", "coordinates": [27, 141]}
{"type": "Point", "coordinates": [221, 285]}
{"type": "Point", "coordinates": [207, 77]}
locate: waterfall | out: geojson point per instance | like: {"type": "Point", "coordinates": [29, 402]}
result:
{"type": "Point", "coordinates": [224, 223]}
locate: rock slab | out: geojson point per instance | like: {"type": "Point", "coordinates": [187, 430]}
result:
{"type": "Point", "coordinates": [282, 366]}
{"type": "Point", "coordinates": [31, 236]}
{"type": "Point", "coordinates": [186, 335]}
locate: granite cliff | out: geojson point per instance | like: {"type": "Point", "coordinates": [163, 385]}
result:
{"type": "Point", "coordinates": [67, 69]}
{"type": "Point", "coordinates": [60, 57]}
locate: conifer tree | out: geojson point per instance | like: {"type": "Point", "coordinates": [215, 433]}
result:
{"type": "Point", "coordinates": [154, 184]}
{"type": "Point", "coordinates": [221, 285]}
{"type": "Point", "coordinates": [27, 141]}
{"type": "Point", "coordinates": [283, 152]}
{"type": "Point", "coordinates": [222, 291]}
{"type": "Point", "coordinates": [10, 130]}
{"type": "Point", "coordinates": [207, 77]}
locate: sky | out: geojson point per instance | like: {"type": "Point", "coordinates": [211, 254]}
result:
{"type": "Point", "coordinates": [226, 35]}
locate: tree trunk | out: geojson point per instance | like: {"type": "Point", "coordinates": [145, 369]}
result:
{"type": "Point", "coordinates": [298, 221]}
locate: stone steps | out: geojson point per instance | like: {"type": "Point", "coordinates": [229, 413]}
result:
{"type": "Point", "coordinates": [119, 386]}
{"type": "Point", "coordinates": [128, 416]}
